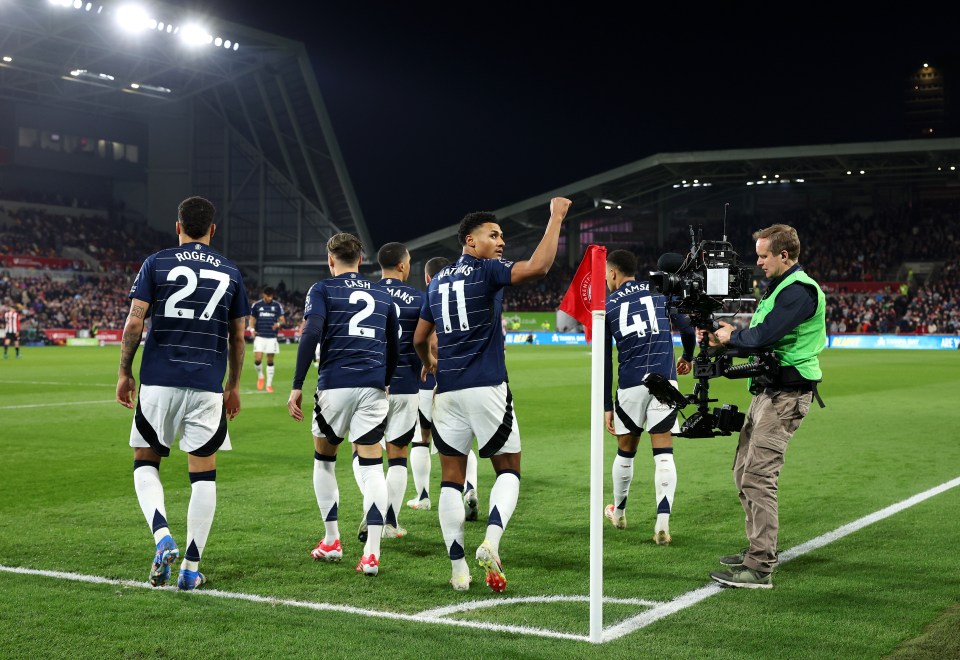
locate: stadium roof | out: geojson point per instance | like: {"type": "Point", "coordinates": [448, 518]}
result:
{"type": "Point", "coordinates": [667, 181]}
{"type": "Point", "coordinates": [90, 56]}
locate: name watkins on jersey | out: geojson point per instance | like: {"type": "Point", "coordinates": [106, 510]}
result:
{"type": "Point", "coordinates": [197, 256]}
{"type": "Point", "coordinates": [464, 269]}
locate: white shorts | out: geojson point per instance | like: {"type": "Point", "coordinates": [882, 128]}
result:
{"type": "Point", "coordinates": [359, 411]}
{"type": "Point", "coordinates": [636, 408]}
{"type": "Point", "coordinates": [263, 345]}
{"type": "Point", "coordinates": [484, 412]}
{"type": "Point", "coordinates": [402, 419]}
{"type": "Point", "coordinates": [426, 408]}
{"type": "Point", "coordinates": [197, 417]}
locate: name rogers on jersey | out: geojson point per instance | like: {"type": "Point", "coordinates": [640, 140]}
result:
{"type": "Point", "coordinates": [197, 256]}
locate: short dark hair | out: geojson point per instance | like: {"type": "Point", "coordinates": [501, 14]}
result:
{"type": "Point", "coordinates": [391, 254]}
{"type": "Point", "coordinates": [781, 237]}
{"type": "Point", "coordinates": [195, 215]}
{"type": "Point", "coordinates": [624, 261]}
{"type": "Point", "coordinates": [345, 248]}
{"type": "Point", "coordinates": [471, 221]}
{"type": "Point", "coordinates": [433, 266]}
{"type": "Point", "coordinates": [268, 291]}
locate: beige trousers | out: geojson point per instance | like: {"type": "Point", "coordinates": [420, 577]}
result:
{"type": "Point", "coordinates": [773, 418]}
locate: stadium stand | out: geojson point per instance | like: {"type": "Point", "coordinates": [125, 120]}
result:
{"type": "Point", "coordinates": [73, 271]}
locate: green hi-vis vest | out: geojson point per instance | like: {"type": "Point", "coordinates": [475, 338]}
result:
{"type": "Point", "coordinates": [800, 347]}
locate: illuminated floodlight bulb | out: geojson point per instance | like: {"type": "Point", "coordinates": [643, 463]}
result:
{"type": "Point", "coordinates": [135, 85]}
{"type": "Point", "coordinates": [194, 35]}
{"type": "Point", "coordinates": [88, 6]}
{"type": "Point", "coordinates": [169, 28]}
{"type": "Point", "coordinates": [236, 45]}
{"type": "Point", "coordinates": [7, 58]}
{"type": "Point", "coordinates": [77, 4]}
{"type": "Point", "coordinates": [152, 24]}
{"type": "Point", "coordinates": [218, 41]}
{"type": "Point", "coordinates": [132, 18]}
{"type": "Point", "coordinates": [227, 43]}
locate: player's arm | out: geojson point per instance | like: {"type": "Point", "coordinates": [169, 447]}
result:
{"type": "Point", "coordinates": [688, 338]}
{"type": "Point", "coordinates": [608, 378]}
{"type": "Point", "coordinates": [422, 344]}
{"type": "Point", "coordinates": [129, 344]}
{"type": "Point", "coordinates": [393, 342]}
{"type": "Point", "coordinates": [539, 263]}
{"type": "Point", "coordinates": [252, 324]}
{"type": "Point", "coordinates": [236, 350]}
{"type": "Point", "coordinates": [310, 336]}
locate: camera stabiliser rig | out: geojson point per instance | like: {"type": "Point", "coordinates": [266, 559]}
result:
{"type": "Point", "coordinates": [697, 285]}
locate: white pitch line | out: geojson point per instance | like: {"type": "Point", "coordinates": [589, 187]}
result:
{"type": "Point", "coordinates": [324, 607]}
{"type": "Point", "coordinates": [59, 403]}
{"type": "Point", "coordinates": [693, 597]}
{"type": "Point", "coordinates": [657, 612]}
{"type": "Point", "coordinates": [482, 604]}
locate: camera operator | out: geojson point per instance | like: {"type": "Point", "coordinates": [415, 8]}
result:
{"type": "Point", "coordinates": [637, 320]}
{"type": "Point", "coordinates": [791, 319]}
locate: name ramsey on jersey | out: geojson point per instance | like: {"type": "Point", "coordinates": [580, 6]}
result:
{"type": "Point", "coordinates": [638, 321]}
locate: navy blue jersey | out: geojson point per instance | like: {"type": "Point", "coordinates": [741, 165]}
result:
{"type": "Point", "coordinates": [194, 293]}
{"type": "Point", "coordinates": [429, 383]}
{"type": "Point", "coordinates": [265, 315]}
{"type": "Point", "coordinates": [464, 300]}
{"type": "Point", "coordinates": [407, 302]}
{"type": "Point", "coordinates": [356, 317]}
{"type": "Point", "coordinates": [637, 320]}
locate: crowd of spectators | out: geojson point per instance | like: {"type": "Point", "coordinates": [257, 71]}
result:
{"type": "Point", "coordinates": [837, 246]}
{"type": "Point", "coordinates": [117, 244]}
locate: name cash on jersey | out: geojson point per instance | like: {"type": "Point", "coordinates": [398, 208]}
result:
{"type": "Point", "coordinates": [194, 293]}
{"type": "Point", "coordinates": [355, 316]}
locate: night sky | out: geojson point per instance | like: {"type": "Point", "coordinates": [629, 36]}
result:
{"type": "Point", "coordinates": [472, 106]}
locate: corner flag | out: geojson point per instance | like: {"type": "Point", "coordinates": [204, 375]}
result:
{"type": "Point", "coordinates": [587, 290]}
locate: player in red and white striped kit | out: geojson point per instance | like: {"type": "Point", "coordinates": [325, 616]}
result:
{"type": "Point", "coordinates": [11, 332]}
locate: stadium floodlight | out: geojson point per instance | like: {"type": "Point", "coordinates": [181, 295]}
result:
{"type": "Point", "coordinates": [218, 42]}
{"type": "Point", "coordinates": [7, 59]}
{"type": "Point", "coordinates": [236, 45]}
{"type": "Point", "coordinates": [195, 35]}
{"type": "Point", "coordinates": [132, 18]}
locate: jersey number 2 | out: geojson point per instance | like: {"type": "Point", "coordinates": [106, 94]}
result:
{"type": "Point", "coordinates": [354, 327]}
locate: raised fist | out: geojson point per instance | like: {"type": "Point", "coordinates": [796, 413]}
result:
{"type": "Point", "coordinates": [559, 207]}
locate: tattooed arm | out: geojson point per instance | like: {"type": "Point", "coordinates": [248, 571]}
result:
{"type": "Point", "coordinates": [132, 331]}
{"type": "Point", "coordinates": [235, 352]}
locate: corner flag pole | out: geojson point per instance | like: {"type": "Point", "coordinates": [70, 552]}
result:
{"type": "Point", "coordinates": [598, 273]}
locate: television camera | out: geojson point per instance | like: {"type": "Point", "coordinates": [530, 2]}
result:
{"type": "Point", "coordinates": [697, 285]}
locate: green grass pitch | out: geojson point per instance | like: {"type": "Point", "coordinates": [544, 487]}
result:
{"type": "Point", "coordinates": [890, 431]}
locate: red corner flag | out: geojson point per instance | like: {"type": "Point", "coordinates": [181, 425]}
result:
{"type": "Point", "coordinates": [588, 289]}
